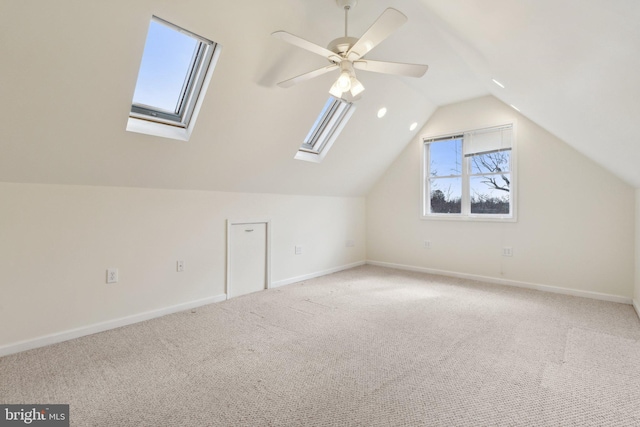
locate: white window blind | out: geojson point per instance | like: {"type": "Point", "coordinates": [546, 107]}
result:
{"type": "Point", "coordinates": [488, 140]}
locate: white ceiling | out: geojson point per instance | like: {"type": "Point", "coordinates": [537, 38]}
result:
{"type": "Point", "coordinates": [571, 66]}
{"type": "Point", "coordinates": [69, 68]}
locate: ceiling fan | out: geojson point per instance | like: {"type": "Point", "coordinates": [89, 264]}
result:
{"type": "Point", "coordinates": [347, 53]}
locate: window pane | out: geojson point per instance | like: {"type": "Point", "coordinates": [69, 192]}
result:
{"type": "Point", "coordinates": [445, 158]}
{"type": "Point", "coordinates": [490, 194]}
{"type": "Point", "coordinates": [446, 195]}
{"type": "Point", "coordinates": [166, 62]}
{"type": "Point", "coordinates": [498, 161]}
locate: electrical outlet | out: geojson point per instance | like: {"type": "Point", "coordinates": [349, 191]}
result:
{"type": "Point", "coordinates": [507, 251]}
{"type": "Point", "coordinates": [112, 275]}
{"type": "Point", "coordinates": [180, 266]}
{"type": "Point", "coordinates": [298, 250]}
{"type": "Point", "coordinates": [350, 243]}
{"type": "Point", "coordinates": [427, 244]}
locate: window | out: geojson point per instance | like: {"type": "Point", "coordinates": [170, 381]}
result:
{"type": "Point", "coordinates": [470, 175]}
{"type": "Point", "coordinates": [175, 69]}
{"type": "Point", "coordinates": [334, 116]}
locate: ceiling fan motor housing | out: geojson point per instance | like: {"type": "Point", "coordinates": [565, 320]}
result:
{"type": "Point", "coordinates": [347, 3]}
{"type": "Point", "coordinates": [341, 45]}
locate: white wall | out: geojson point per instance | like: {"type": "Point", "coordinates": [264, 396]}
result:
{"type": "Point", "coordinates": [575, 220]}
{"type": "Point", "coordinates": [56, 243]}
{"type": "Point", "coordinates": [636, 293]}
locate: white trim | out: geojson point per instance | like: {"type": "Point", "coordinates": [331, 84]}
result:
{"type": "Point", "coordinates": [70, 334]}
{"type": "Point", "coordinates": [268, 255]}
{"type": "Point", "coordinates": [316, 274]}
{"type": "Point", "coordinates": [515, 283]}
{"type": "Point", "coordinates": [159, 129]}
{"type": "Point", "coordinates": [636, 307]}
{"type": "Point", "coordinates": [82, 331]}
{"type": "Point", "coordinates": [467, 216]}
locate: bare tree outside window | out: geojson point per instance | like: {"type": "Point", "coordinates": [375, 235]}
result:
{"type": "Point", "coordinates": [490, 182]}
{"type": "Point", "coordinates": [445, 171]}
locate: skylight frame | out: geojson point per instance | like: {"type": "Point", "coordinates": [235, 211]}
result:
{"type": "Point", "coordinates": [325, 130]}
{"type": "Point", "coordinates": [179, 124]}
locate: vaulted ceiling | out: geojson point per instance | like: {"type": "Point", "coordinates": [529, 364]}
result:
{"type": "Point", "coordinates": [68, 69]}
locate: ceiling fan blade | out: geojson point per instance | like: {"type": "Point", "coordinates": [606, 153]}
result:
{"type": "Point", "coordinates": [410, 70]}
{"type": "Point", "coordinates": [307, 45]}
{"type": "Point", "coordinates": [307, 76]}
{"type": "Point", "coordinates": [387, 23]}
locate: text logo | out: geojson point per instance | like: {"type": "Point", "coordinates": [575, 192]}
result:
{"type": "Point", "coordinates": [34, 415]}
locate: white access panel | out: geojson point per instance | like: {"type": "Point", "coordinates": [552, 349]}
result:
{"type": "Point", "coordinates": [247, 258]}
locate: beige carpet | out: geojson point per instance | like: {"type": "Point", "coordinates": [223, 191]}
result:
{"type": "Point", "coordinates": [365, 347]}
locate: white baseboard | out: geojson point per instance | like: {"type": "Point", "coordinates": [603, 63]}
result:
{"type": "Point", "coordinates": [636, 307]}
{"type": "Point", "coordinates": [316, 274]}
{"type": "Point", "coordinates": [515, 283]}
{"type": "Point", "coordinates": [128, 320]}
{"type": "Point", "coordinates": [104, 326]}
{"type": "Point", "coordinates": [124, 321]}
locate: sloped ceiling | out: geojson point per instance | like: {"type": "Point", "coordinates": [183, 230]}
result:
{"type": "Point", "coordinates": [68, 69]}
{"type": "Point", "coordinates": [571, 66]}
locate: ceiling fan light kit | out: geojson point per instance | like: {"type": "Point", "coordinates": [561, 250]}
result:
{"type": "Point", "coordinates": [347, 53]}
{"type": "Point", "coordinates": [347, 82]}
{"type": "Point", "coordinates": [356, 87]}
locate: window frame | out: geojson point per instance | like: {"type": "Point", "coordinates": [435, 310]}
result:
{"type": "Point", "coordinates": [332, 119]}
{"type": "Point", "coordinates": [179, 124]}
{"type": "Point", "coordinates": [465, 214]}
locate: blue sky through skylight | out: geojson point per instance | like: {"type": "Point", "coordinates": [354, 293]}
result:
{"type": "Point", "coordinates": [167, 58]}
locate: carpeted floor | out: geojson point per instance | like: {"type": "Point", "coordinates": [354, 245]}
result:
{"type": "Point", "coordinates": [365, 347]}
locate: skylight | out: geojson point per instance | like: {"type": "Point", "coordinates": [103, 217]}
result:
{"type": "Point", "coordinates": [334, 116]}
{"type": "Point", "coordinates": [175, 69]}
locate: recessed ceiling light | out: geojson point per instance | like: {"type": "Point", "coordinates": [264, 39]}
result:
{"type": "Point", "coordinates": [413, 126]}
{"type": "Point", "coordinates": [382, 112]}
{"type": "Point", "coordinates": [515, 108]}
{"type": "Point", "coordinates": [498, 83]}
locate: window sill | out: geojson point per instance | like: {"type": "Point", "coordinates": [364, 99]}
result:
{"type": "Point", "coordinates": [310, 157]}
{"type": "Point", "coordinates": [158, 129]}
{"type": "Point", "coordinates": [474, 218]}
